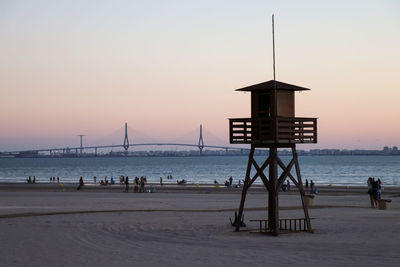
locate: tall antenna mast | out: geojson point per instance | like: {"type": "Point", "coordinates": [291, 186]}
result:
{"type": "Point", "coordinates": [275, 108]}
{"type": "Point", "coordinates": [273, 43]}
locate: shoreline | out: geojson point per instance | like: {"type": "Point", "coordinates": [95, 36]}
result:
{"type": "Point", "coordinates": [189, 188]}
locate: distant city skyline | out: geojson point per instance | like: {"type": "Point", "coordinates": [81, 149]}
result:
{"type": "Point", "coordinates": [165, 67]}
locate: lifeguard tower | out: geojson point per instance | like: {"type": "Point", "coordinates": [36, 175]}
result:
{"type": "Point", "coordinates": [273, 125]}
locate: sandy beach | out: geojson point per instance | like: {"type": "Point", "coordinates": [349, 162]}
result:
{"type": "Point", "coordinates": [46, 225]}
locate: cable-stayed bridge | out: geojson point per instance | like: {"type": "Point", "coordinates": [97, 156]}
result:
{"type": "Point", "coordinates": [125, 145]}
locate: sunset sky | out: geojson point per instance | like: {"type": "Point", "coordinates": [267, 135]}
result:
{"type": "Point", "coordinates": [165, 67]}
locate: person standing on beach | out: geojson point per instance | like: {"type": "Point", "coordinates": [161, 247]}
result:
{"type": "Point", "coordinates": [375, 192]}
{"type": "Point", "coordinates": [136, 185]}
{"type": "Point", "coordinates": [142, 181]}
{"type": "Point", "coordinates": [161, 181]}
{"type": "Point", "coordinates": [311, 186]}
{"type": "Point", "coordinates": [127, 184]}
{"type": "Point", "coordinates": [230, 180]}
{"type": "Point", "coordinates": [94, 179]}
{"type": "Point", "coordinates": [370, 182]}
{"type": "Point", "coordinates": [81, 184]}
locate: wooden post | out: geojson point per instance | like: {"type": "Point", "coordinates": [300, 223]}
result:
{"type": "Point", "coordinates": [273, 211]}
{"type": "Point", "coordinates": [300, 187]}
{"type": "Point", "coordinates": [246, 186]}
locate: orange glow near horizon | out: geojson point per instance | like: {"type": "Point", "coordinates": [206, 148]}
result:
{"type": "Point", "coordinates": [68, 69]}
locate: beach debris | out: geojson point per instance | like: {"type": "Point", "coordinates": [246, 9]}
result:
{"type": "Point", "coordinates": [183, 181]}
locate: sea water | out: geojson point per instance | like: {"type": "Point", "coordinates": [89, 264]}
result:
{"type": "Point", "coordinates": [338, 170]}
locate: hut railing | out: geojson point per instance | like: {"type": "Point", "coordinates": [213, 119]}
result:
{"type": "Point", "coordinates": [261, 130]}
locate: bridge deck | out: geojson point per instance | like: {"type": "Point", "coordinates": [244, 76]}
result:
{"type": "Point", "coordinates": [73, 150]}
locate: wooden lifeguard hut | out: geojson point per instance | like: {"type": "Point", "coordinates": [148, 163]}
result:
{"type": "Point", "coordinates": [273, 125]}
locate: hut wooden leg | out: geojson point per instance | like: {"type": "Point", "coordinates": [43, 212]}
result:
{"type": "Point", "coordinates": [246, 186]}
{"type": "Point", "coordinates": [301, 189]}
{"type": "Point", "coordinates": [273, 211]}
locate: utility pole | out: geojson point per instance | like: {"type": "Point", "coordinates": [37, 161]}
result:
{"type": "Point", "coordinates": [81, 137]}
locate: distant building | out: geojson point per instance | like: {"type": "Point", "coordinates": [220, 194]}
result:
{"type": "Point", "coordinates": [386, 149]}
{"type": "Point", "coordinates": [395, 149]}
{"type": "Point", "coordinates": [315, 151]}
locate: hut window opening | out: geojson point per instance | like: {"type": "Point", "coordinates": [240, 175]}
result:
{"type": "Point", "coordinates": [264, 103]}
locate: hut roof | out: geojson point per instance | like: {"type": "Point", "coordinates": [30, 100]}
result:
{"type": "Point", "coordinates": [270, 86]}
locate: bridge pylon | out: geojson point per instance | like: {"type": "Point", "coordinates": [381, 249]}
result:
{"type": "Point", "coordinates": [201, 141]}
{"type": "Point", "coordinates": [126, 140]}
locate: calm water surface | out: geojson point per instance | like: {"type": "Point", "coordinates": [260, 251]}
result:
{"type": "Point", "coordinates": [349, 170]}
